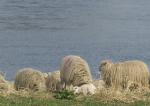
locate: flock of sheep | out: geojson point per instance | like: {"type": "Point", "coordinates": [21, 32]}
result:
{"type": "Point", "coordinates": [74, 74]}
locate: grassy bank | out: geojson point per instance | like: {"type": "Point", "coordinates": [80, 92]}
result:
{"type": "Point", "coordinates": [15, 100]}
{"type": "Point", "coordinates": [105, 97]}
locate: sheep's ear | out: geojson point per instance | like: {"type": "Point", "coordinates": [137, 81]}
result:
{"type": "Point", "coordinates": [74, 88]}
{"type": "Point", "coordinates": [105, 62]}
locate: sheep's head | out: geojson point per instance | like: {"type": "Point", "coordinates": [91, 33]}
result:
{"type": "Point", "coordinates": [37, 84]}
{"type": "Point", "coordinates": [105, 64]}
{"type": "Point", "coordinates": [76, 90]}
{"type": "Point", "coordinates": [45, 75]}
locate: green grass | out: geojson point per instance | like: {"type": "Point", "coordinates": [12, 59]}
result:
{"type": "Point", "coordinates": [69, 95]}
{"type": "Point", "coordinates": [14, 100]}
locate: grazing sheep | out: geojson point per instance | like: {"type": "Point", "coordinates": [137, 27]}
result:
{"type": "Point", "coordinates": [118, 75]}
{"type": "Point", "coordinates": [53, 82]}
{"type": "Point", "coordinates": [85, 89]}
{"type": "Point", "coordinates": [29, 79]}
{"type": "Point", "coordinates": [74, 71]}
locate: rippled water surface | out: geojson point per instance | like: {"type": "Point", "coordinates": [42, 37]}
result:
{"type": "Point", "coordinates": [38, 33]}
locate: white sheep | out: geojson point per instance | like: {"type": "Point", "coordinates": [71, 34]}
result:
{"type": "Point", "coordinates": [118, 75]}
{"type": "Point", "coordinates": [30, 79]}
{"type": "Point", "coordinates": [74, 71]}
{"type": "Point", "coordinates": [53, 82]}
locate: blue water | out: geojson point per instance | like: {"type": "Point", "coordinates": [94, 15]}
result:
{"type": "Point", "coordinates": [39, 33]}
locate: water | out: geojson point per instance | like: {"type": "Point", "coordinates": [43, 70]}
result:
{"type": "Point", "coordinates": [39, 33]}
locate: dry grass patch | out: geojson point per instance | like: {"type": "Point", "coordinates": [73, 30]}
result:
{"type": "Point", "coordinates": [108, 95]}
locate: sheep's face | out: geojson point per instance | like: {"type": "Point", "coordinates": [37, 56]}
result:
{"type": "Point", "coordinates": [34, 87]}
{"type": "Point", "coordinates": [45, 76]}
{"type": "Point", "coordinates": [76, 90]}
{"type": "Point", "coordinates": [105, 64]}
{"type": "Point", "coordinates": [37, 84]}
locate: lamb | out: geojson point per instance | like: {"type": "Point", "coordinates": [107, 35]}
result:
{"type": "Point", "coordinates": [85, 89]}
{"type": "Point", "coordinates": [118, 75]}
{"type": "Point", "coordinates": [30, 79]}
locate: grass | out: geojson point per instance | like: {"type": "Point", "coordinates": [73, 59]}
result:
{"type": "Point", "coordinates": [16, 100]}
{"type": "Point", "coordinates": [65, 98]}
{"type": "Point", "coordinates": [64, 95]}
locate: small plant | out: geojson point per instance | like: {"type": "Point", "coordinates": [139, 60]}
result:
{"type": "Point", "coordinates": [69, 95]}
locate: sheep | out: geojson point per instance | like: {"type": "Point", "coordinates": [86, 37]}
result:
{"type": "Point", "coordinates": [53, 82]}
{"type": "Point", "coordinates": [118, 75]}
{"type": "Point", "coordinates": [85, 89]}
{"type": "Point", "coordinates": [4, 84]}
{"type": "Point", "coordinates": [74, 71]}
{"type": "Point", "coordinates": [29, 79]}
